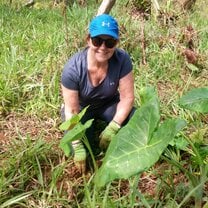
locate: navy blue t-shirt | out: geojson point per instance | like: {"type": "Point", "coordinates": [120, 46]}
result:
{"type": "Point", "coordinates": [75, 77]}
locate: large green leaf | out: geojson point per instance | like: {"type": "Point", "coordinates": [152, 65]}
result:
{"type": "Point", "coordinates": [137, 146]}
{"type": "Point", "coordinates": [195, 100]}
{"type": "Point", "coordinates": [131, 157]}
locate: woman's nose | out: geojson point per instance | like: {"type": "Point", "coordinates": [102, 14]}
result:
{"type": "Point", "coordinates": [103, 45]}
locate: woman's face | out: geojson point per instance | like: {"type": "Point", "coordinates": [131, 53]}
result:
{"type": "Point", "coordinates": [102, 47]}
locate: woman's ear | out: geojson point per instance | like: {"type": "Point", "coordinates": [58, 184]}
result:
{"type": "Point", "coordinates": [88, 39]}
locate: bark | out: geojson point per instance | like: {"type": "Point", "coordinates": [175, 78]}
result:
{"type": "Point", "coordinates": [105, 6]}
{"type": "Point", "coordinates": [30, 3]}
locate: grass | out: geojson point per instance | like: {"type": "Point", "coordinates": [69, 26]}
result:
{"type": "Point", "coordinates": [35, 44]}
{"type": "Point", "coordinates": [29, 60]}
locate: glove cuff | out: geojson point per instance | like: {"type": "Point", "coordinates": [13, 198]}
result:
{"type": "Point", "coordinates": [76, 143]}
{"type": "Point", "coordinates": [79, 150]}
{"type": "Point", "coordinates": [116, 123]}
{"type": "Point", "coordinates": [114, 126]}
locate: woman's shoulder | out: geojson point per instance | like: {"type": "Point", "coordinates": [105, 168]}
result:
{"type": "Point", "coordinates": [121, 54]}
{"type": "Point", "coordinates": [78, 56]}
{"type": "Point", "coordinates": [76, 63]}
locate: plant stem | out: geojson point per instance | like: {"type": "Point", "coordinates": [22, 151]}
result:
{"type": "Point", "coordinates": [86, 142]}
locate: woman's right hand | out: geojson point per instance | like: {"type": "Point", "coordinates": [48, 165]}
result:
{"type": "Point", "coordinates": [80, 156]}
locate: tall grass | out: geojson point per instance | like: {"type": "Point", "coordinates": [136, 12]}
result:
{"type": "Point", "coordinates": [29, 170]}
{"type": "Point", "coordinates": [34, 49]}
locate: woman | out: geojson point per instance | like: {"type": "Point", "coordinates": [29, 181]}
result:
{"type": "Point", "coordinates": [101, 77]}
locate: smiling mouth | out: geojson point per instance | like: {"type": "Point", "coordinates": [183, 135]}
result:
{"type": "Point", "coordinates": [103, 52]}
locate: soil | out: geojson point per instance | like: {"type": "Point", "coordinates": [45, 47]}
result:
{"type": "Point", "coordinates": [17, 125]}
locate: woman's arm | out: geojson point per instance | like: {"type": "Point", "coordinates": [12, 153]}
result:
{"type": "Point", "coordinates": [126, 89]}
{"type": "Point", "coordinates": [71, 102]}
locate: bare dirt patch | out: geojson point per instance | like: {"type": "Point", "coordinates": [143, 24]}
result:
{"type": "Point", "coordinates": [15, 126]}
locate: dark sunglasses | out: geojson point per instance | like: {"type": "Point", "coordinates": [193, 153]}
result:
{"type": "Point", "coordinates": [109, 43]}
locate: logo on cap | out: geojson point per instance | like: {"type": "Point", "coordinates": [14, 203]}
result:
{"type": "Point", "coordinates": [106, 24]}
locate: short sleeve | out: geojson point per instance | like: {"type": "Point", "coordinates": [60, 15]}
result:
{"type": "Point", "coordinates": [70, 77]}
{"type": "Point", "coordinates": [126, 65]}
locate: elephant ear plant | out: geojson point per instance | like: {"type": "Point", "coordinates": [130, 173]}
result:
{"type": "Point", "coordinates": [76, 131]}
{"type": "Point", "coordinates": [195, 145]}
{"type": "Point", "coordinates": [196, 100]}
{"type": "Point", "coordinates": [140, 143]}
{"type": "Point", "coordinates": [136, 147]}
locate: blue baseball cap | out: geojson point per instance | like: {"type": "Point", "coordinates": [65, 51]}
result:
{"type": "Point", "coordinates": [104, 24]}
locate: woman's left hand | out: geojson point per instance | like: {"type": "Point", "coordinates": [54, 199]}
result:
{"type": "Point", "coordinates": [107, 134]}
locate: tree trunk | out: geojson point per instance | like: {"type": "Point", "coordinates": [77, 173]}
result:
{"type": "Point", "coordinates": [30, 3]}
{"type": "Point", "coordinates": [188, 4]}
{"type": "Point", "coordinates": [105, 6]}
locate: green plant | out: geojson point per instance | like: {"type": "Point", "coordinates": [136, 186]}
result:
{"type": "Point", "coordinates": [197, 166]}
{"type": "Point", "coordinates": [28, 170]}
{"type": "Point", "coordinates": [195, 100]}
{"type": "Point", "coordinates": [77, 131]}
{"type": "Point", "coordinates": [146, 141]}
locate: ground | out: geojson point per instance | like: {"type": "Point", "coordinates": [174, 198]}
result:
{"type": "Point", "coordinates": [19, 126]}
{"type": "Point", "coordinates": [16, 126]}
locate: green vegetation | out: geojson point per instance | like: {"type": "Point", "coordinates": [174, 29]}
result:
{"type": "Point", "coordinates": [168, 52]}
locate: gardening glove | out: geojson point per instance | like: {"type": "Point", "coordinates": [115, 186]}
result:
{"type": "Point", "coordinates": [80, 156]}
{"type": "Point", "coordinates": [108, 133]}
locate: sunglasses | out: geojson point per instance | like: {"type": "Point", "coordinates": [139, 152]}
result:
{"type": "Point", "coordinates": [109, 43]}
